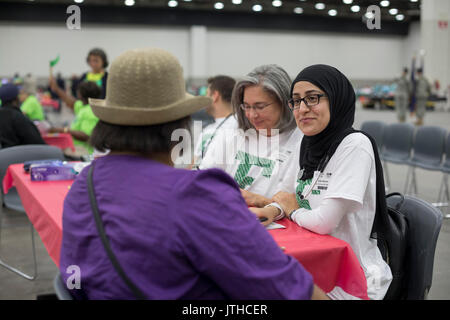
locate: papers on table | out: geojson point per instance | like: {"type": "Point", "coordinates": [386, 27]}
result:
{"type": "Point", "coordinates": [274, 225]}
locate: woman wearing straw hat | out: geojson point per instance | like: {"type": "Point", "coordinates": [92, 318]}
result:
{"type": "Point", "coordinates": [138, 228]}
{"type": "Point", "coordinates": [258, 154]}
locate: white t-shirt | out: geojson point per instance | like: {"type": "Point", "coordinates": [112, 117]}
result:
{"type": "Point", "coordinates": [350, 174]}
{"type": "Point", "coordinates": [210, 132]}
{"type": "Point", "coordinates": [258, 163]}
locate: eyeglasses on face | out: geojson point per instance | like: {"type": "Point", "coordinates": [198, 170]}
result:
{"type": "Point", "coordinates": [257, 107]}
{"type": "Point", "coordinates": [310, 101]}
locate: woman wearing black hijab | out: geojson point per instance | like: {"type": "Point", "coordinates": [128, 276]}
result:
{"type": "Point", "coordinates": [339, 186]}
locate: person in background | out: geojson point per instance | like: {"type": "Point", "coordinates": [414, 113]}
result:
{"type": "Point", "coordinates": [219, 90]}
{"type": "Point", "coordinates": [177, 234]}
{"type": "Point", "coordinates": [85, 120]}
{"type": "Point", "coordinates": [30, 105]}
{"type": "Point", "coordinates": [62, 84]}
{"type": "Point", "coordinates": [98, 61]}
{"type": "Point", "coordinates": [339, 184]}
{"type": "Point", "coordinates": [29, 83]}
{"type": "Point", "coordinates": [402, 94]}
{"type": "Point", "coordinates": [15, 127]}
{"type": "Point", "coordinates": [257, 154]}
{"type": "Point", "coordinates": [423, 91]}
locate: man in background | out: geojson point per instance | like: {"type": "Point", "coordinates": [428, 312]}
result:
{"type": "Point", "coordinates": [402, 94]}
{"type": "Point", "coordinates": [30, 105]}
{"type": "Point", "coordinates": [219, 90]}
{"type": "Point", "coordinates": [15, 127]}
{"type": "Point", "coordinates": [423, 91]}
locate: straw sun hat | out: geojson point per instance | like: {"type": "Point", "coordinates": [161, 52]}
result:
{"type": "Point", "coordinates": [146, 87]}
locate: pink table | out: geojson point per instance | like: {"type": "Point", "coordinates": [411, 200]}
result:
{"type": "Point", "coordinates": [331, 261]}
{"type": "Point", "coordinates": [60, 140]}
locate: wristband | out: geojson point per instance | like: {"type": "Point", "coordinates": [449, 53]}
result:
{"type": "Point", "coordinates": [276, 205]}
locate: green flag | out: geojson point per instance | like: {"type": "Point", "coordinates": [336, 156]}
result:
{"type": "Point", "coordinates": [54, 62]}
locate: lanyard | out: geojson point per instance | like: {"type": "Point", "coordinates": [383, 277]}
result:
{"type": "Point", "coordinates": [318, 173]}
{"type": "Point", "coordinates": [214, 133]}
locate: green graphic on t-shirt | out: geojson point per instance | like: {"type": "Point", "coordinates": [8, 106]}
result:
{"type": "Point", "coordinates": [303, 203]}
{"type": "Point", "coordinates": [246, 162]}
{"type": "Point", "coordinates": [205, 139]}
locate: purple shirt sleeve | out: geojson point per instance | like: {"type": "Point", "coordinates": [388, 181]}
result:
{"type": "Point", "coordinates": [224, 241]}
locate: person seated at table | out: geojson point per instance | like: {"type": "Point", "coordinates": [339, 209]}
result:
{"type": "Point", "coordinates": [176, 233]}
{"type": "Point", "coordinates": [85, 120]}
{"type": "Point", "coordinates": [256, 156]}
{"type": "Point", "coordinates": [15, 128]}
{"type": "Point", "coordinates": [339, 178]}
{"type": "Point", "coordinates": [30, 105]}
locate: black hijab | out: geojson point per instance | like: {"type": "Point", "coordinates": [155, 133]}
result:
{"type": "Point", "coordinates": [317, 150]}
{"type": "Point", "coordinates": [341, 96]}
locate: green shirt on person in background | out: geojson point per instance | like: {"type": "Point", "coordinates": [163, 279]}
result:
{"type": "Point", "coordinates": [32, 108]}
{"type": "Point", "coordinates": [85, 121]}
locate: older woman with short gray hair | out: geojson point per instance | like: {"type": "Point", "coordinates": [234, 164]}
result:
{"type": "Point", "coordinates": [258, 153]}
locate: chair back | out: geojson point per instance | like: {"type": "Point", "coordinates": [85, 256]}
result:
{"type": "Point", "coordinates": [424, 224]}
{"type": "Point", "coordinates": [375, 129]}
{"type": "Point", "coordinates": [429, 146]}
{"type": "Point", "coordinates": [397, 141]}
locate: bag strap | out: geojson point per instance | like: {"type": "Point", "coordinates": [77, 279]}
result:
{"type": "Point", "coordinates": [101, 230]}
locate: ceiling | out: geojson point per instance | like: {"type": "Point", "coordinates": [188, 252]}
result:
{"type": "Point", "coordinates": [409, 9]}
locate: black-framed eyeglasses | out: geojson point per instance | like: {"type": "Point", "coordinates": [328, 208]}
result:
{"type": "Point", "coordinates": [256, 107]}
{"type": "Point", "coordinates": [310, 101]}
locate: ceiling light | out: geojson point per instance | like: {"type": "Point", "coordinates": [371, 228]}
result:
{"type": "Point", "coordinates": [355, 8]}
{"type": "Point", "coordinates": [257, 8]}
{"type": "Point", "coordinates": [384, 3]}
{"type": "Point", "coordinates": [400, 17]}
{"type": "Point", "coordinates": [129, 3]}
{"type": "Point", "coordinates": [320, 6]}
{"type": "Point", "coordinates": [298, 10]}
{"type": "Point", "coordinates": [393, 11]}
{"type": "Point", "coordinates": [332, 13]}
{"type": "Point", "coordinates": [237, 1]}
{"type": "Point", "coordinates": [369, 15]}
{"type": "Point", "coordinates": [414, 0]}
{"type": "Point", "coordinates": [218, 5]}
{"type": "Point", "coordinates": [78, 1]}
{"type": "Point", "coordinates": [277, 3]}
{"type": "Point", "coordinates": [172, 3]}
{"type": "Point", "coordinates": [347, 1]}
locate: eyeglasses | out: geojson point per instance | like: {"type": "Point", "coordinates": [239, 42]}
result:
{"type": "Point", "coordinates": [257, 107]}
{"type": "Point", "coordinates": [310, 101]}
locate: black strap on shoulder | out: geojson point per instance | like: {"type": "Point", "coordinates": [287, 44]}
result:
{"type": "Point", "coordinates": [101, 230]}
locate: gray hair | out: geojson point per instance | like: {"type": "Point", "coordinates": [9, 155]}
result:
{"type": "Point", "coordinates": [275, 81]}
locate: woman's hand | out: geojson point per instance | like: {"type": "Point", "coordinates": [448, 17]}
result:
{"type": "Point", "coordinates": [287, 201]}
{"type": "Point", "coordinates": [254, 200]}
{"type": "Point", "coordinates": [269, 213]}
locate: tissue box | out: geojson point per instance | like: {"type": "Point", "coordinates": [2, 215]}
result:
{"type": "Point", "coordinates": [52, 172]}
{"type": "Point", "coordinates": [28, 164]}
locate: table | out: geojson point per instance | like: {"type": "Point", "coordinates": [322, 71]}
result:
{"type": "Point", "coordinates": [60, 140]}
{"type": "Point", "coordinates": [331, 261]}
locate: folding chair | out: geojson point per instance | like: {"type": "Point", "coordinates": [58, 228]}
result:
{"type": "Point", "coordinates": [428, 151]}
{"type": "Point", "coordinates": [11, 200]}
{"type": "Point", "coordinates": [444, 194]}
{"type": "Point", "coordinates": [424, 225]}
{"type": "Point", "coordinates": [397, 146]}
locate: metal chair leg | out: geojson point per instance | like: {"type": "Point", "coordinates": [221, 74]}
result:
{"type": "Point", "coordinates": [407, 182]}
{"type": "Point", "coordinates": [13, 269]}
{"type": "Point", "coordinates": [386, 173]}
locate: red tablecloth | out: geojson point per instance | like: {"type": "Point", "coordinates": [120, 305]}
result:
{"type": "Point", "coordinates": [60, 140]}
{"type": "Point", "coordinates": [331, 261]}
